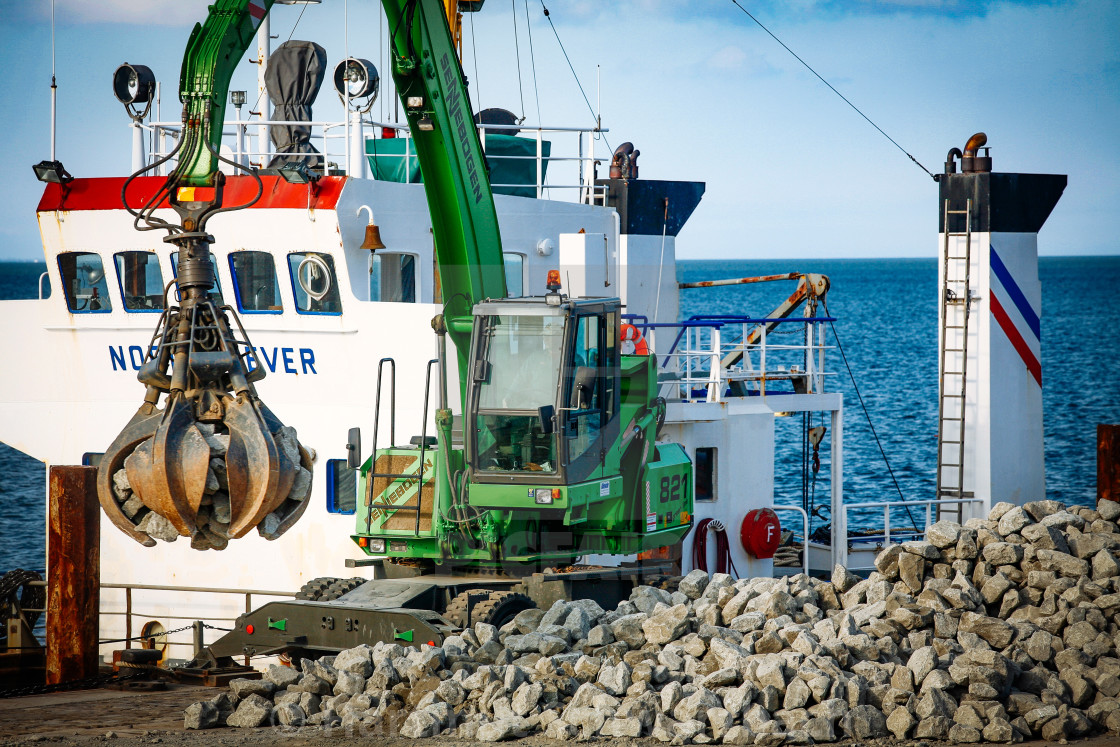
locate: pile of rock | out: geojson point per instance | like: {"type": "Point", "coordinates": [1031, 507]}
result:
{"type": "Point", "coordinates": [1001, 630]}
{"type": "Point", "coordinates": [214, 511]}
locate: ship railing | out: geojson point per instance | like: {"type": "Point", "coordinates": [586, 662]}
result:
{"type": "Point", "coordinates": [892, 533]}
{"type": "Point", "coordinates": [708, 358]}
{"type": "Point", "coordinates": [567, 171]}
{"type": "Point", "coordinates": [145, 635]}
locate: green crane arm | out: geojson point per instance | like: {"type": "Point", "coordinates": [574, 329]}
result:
{"type": "Point", "coordinates": [432, 88]}
{"type": "Point", "coordinates": [213, 51]}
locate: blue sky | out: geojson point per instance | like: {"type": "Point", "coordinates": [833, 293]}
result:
{"type": "Point", "coordinates": [698, 87]}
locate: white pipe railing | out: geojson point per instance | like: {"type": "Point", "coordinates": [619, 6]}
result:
{"type": "Point", "coordinates": [337, 142]}
{"type": "Point", "coordinates": [701, 346]}
{"type": "Point", "coordinates": [841, 553]}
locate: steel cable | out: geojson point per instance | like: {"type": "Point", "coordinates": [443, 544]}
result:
{"type": "Point", "coordinates": [867, 415]}
{"type": "Point", "coordinates": [842, 96]}
{"type": "Point", "coordinates": [590, 108]}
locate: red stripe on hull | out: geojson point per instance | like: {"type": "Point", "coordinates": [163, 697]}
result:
{"type": "Point", "coordinates": [1017, 340]}
{"type": "Point", "coordinates": [104, 193]}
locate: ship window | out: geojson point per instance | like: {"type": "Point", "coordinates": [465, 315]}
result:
{"type": "Point", "coordinates": [314, 283]}
{"type": "Point", "coordinates": [83, 280]}
{"type": "Point", "coordinates": [254, 282]}
{"type": "Point", "coordinates": [342, 487]}
{"type": "Point", "coordinates": [515, 274]}
{"type": "Point", "coordinates": [141, 280]}
{"type": "Point", "coordinates": [392, 277]}
{"type": "Point", "coordinates": [705, 474]}
{"type": "Point", "coordinates": [215, 292]}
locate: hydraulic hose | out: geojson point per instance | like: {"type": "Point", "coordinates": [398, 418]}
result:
{"type": "Point", "coordinates": [724, 562]}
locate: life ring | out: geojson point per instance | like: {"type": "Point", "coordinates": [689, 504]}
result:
{"type": "Point", "coordinates": [632, 341]}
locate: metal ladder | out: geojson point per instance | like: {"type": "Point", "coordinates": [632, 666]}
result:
{"type": "Point", "coordinates": [956, 297]}
{"type": "Point", "coordinates": [423, 442]}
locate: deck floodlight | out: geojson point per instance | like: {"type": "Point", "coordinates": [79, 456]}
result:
{"type": "Point", "coordinates": [357, 80]}
{"type": "Point", "coordinates": [53, 172]}
{"type": "Point", "coordinates": [237, 98]}
{"type": "Point", "coordinates": [134, 86]}
{"type": "Point", "coordinates": [298, 173]}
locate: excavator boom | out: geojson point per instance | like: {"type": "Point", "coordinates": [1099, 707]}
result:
{"type": "Point", "coordinates": [431, 86]}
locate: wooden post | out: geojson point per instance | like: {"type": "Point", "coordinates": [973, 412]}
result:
{"type": "Point", "coordinates": [73, 574]}
{"type": "Point", "coordinates": [1108, 462]}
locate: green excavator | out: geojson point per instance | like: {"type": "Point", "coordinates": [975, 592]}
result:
{"type": "Point", "coordinates": [555, 454]}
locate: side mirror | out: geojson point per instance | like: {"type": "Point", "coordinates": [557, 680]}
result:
{"type": "Point", "coordinates": [582, 387]}
{"type": "Point", "coordinates": [354, 448]}
{"type": "Point", "coordinates": [546, 413]}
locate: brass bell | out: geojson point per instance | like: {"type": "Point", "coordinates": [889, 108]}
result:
{"type": "Point", "coordinates": [373, 240]}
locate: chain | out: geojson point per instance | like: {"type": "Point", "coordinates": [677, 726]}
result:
{"type": "Point", "coordinates": [90, 683]}
{"type": "Point", "coordinates": [165, 633]}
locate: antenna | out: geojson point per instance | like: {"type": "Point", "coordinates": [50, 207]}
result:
{"type": "Point", "coordinates": [598, 97]}
{"type": "Point", "coordinates": [54, 88]}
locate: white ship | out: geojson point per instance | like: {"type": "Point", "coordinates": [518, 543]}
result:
{"type": "Point", "coordinates": [323, 312]}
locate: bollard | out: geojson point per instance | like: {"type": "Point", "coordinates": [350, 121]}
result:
{"type": "Point", "coordinates": [199, 641]}
{"type": "Point", "coordinates": [73, 570]}
{"type": "Point", "coordinates": [1108, 462]}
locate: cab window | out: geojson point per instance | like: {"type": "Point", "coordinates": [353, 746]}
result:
{"type": "Point", "coordinates": [254, 282]}
{"type": "Point", "coordinates": [141, 280]}
{"type": "Point", "coordinates": [215, 292]}
{"type": "Point", "coordinates": [314, 283]}
{"type": "Point", "coordinates": [83, 281]}
{"type": "Point", "coordinates": [608, 368]}
{"type": "Point", "coordinates": [522, 356]}
{"type": "Point", "coordinates": [392, 277]}
{"type": "Point", "coordinates": [585, 392]}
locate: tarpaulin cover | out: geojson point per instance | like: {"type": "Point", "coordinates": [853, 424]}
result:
{"type": "Point", "coordinates": [294, 74]}
{"type": "Point", "coordinates": [512, 162]}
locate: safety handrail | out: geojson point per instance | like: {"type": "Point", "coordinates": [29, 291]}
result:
{"type": "Point", "coordinates": [842, 552]}
{"type": "Point", "coordinates": [128, 613]}
{"type": "Point", "coordinates": [700, 362]}
{"type": "Point", "coordinates": [346, 158]}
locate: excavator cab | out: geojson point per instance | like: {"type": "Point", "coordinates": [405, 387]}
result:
{"type": "Point", "coordinates": [543, 395]}
{"type": "Point", "coordinates": [559, 455]}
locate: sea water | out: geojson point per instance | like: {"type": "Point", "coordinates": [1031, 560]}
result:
{"type": "Point", "coordinates": [886, 311]}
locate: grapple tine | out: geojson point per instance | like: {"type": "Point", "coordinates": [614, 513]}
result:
{"type": "Point", "coordinates": [287, 477]}
{"type": "Point", "coordinates": [300, 502]}
{"type": "Point", "coordinates": [180, 458]}
{"type": "Point", "coordinates": [253, 466]}
{"type": "Point", "coordinates": [139, 429]}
